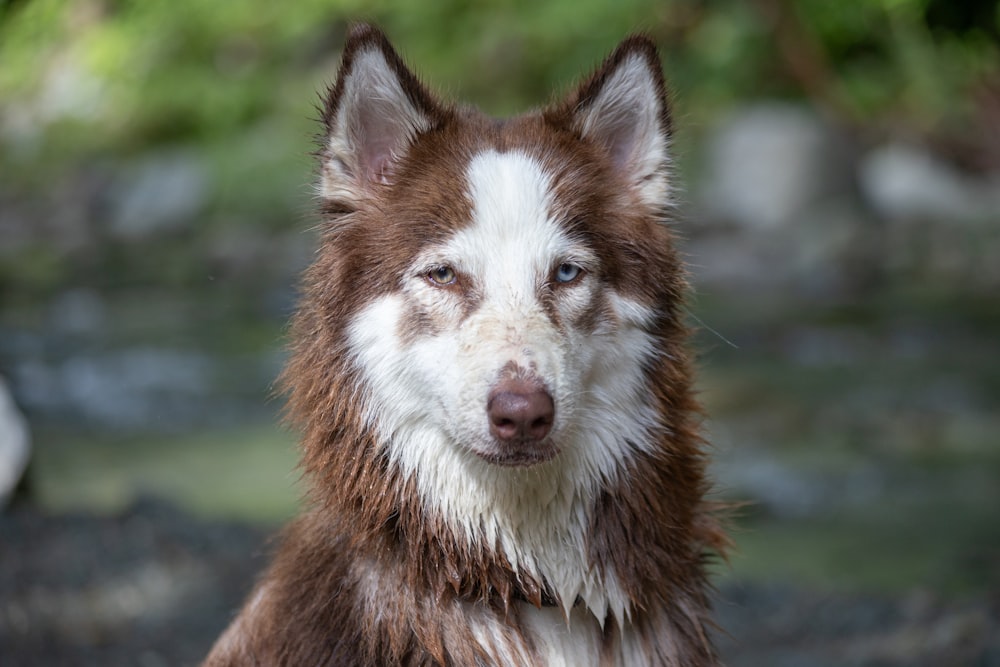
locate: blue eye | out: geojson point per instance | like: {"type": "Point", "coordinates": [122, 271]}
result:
{"type": "Point", "coordinates": [567, 273]}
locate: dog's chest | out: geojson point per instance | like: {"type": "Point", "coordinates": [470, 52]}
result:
{"type": "Point", "coordinates": [564, 643]}
{"type": "Point", "coordinates": [575, 642]}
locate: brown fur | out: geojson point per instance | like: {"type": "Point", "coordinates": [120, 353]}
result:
{"type": "Point", "coordinates": [366, 544]}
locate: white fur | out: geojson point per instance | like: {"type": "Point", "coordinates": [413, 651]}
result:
{"type": "Point", "coordinates": [426, 397]}
{"type": "Point", "coordinates": [562, 642]}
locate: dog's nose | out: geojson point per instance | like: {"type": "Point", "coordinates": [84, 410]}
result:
{"type": "Point", "coordinates": [519, 410]}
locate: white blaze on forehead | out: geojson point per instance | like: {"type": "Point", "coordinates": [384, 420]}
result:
{"type": "Point", "coordinates": [513, 239]}
{"type": "Point", "coordinates": [510, 195]}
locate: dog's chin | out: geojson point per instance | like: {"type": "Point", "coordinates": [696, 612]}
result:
{"type": "Point", "coordinates": [521, 454]}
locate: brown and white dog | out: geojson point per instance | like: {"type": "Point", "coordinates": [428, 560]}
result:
{"type": "Point", "coordinates": [489, 368]}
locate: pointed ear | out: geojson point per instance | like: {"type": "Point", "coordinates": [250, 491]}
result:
{"type": "Point", "coordinates": [371, 116]}
{"type": "Point", "coordinates": [623, 109]}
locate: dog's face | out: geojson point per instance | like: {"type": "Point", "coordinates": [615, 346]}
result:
{"type": "Point", "coordinates": [504, 286]}
{"type": "Point", "coordinates": [494, 318]}
{"type": "Point", "coordinates": [502, 338]}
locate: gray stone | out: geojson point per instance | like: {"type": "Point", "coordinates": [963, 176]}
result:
{"type": "Point", "coordinates": [789, 489]}
{"type": "Point", "coordinates": [162, 193]}
{"type": "Point", "coordinates": [15, 445]}
{"type": "Point", "coordinates": [768, 163]}
{"type": "Point", "coordinates": [79, 310]}
{"type": "Point", "coordinates": [131, 388]}
{"type": "Point", "coordinates": [822, 255]}
{"type": "Point", "coordinates": [906, 182]}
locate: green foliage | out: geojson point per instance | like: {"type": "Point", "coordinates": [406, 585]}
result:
{"type": "Point", "coordinates": [92, 85]}
{"type": "Point", "coordinates": [36, 269]}
{"type": "Point", "coordinates": [130, 72]}
{"type": "Point", "coordinates": [909, 61]}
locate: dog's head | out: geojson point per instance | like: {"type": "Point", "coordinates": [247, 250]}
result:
{"type": "Point", "coordinates": [494, 299]}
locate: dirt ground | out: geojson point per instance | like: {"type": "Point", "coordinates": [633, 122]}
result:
{"type": "Point", "coordinates": [154, 586]}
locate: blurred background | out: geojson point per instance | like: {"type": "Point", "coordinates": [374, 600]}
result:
{"type": "Point", "coordinates": [840, 173]}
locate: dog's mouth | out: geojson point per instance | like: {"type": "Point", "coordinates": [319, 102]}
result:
{"type": "Point", "coordinates": [519, 453]}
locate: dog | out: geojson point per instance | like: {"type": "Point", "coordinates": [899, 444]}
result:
{"type": "Point", "coordinates": [490, 372]}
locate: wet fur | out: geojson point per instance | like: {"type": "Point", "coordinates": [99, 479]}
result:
{"type": "Point", "coordinates": [375, 571]}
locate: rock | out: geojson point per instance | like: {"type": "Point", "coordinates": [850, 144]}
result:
{"type": "Point", "coordinates": [15, 445]}
{"type": "Point", "coordinates": [141, 387]}
{"type": "Point", "coordinates": [906, 182]}
{"type": "Point", "coordinates": [777, 211]}
{"type": "Point", "coordinates": [829, 251]}
{"type": "Point", "coordinates": [162, 193]}
{"type": "Point", "coordinates": [769, 162]}
{"type": "Point", "coordinates": [940, 223]}
{"type": "Point", "coordinates": [78, 311]}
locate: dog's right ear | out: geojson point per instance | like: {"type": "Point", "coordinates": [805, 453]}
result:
{"type": "Point", "coordinates": [371, 116]}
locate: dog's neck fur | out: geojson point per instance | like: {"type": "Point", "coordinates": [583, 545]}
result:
{"type": "Point", "coordinates": [405, 551]}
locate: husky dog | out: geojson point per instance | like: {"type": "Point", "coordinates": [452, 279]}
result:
{"type": "Point", "coordinates": [489, 369]}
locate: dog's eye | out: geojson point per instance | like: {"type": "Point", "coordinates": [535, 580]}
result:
{"type": "Point", "coordinates": [567, 273]}
{"type": "Point", "coordinates": [442, 275]}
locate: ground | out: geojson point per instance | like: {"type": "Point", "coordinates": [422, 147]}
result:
{"type": "Point", "coordinates": [154, 585]}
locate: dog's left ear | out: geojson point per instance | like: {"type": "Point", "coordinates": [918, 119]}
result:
{"type": "Point", "coordinates": [623, 108]}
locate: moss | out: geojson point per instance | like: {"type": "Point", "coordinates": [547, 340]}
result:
{"type": "Point", "coordinates": [245, 473]}
{"type": "Point", "coordinates": [947, 544]}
